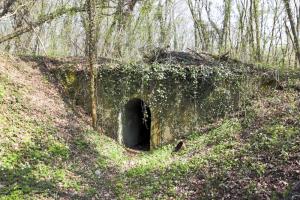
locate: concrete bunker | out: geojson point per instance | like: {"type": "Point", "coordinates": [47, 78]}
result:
{"type": "Point", "coordinates": [182, 98]}
{"type": "Point", "coordinates": [136, 124]}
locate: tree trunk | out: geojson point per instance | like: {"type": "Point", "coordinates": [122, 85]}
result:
{"type": "Point", "coordinates": [257, 29]}
{"type": "Point", "coordinates": [91, 10]}
{"type": "Point", "coordinates": [225, 28]}
{"type": "Point", "coordinates": [293, 29]}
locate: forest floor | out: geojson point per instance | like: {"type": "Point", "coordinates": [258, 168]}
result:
{"type": "Point", "coordinates": [48, 150]}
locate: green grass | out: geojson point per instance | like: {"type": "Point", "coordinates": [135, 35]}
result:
{"type": "Point", "coordinates": [33, 159]}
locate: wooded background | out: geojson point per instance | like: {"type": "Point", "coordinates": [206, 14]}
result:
{"type": "Point", "coordinates": [257, 31]}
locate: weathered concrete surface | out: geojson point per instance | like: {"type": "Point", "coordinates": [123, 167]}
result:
{"type": "Point", "coordinates": [181, 99]}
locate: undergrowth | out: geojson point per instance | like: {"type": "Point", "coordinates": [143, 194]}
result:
{"type": "Point", "coordinates": [33, 159]}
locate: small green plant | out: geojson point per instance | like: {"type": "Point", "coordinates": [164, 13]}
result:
{"type": "Point", "coordinates": [81, 144]}
{"type": "Point", "coordinates": [14, 195]}
{"type": "Point", "coordinates": [9, 160]}
{"type": "Point", "coordinates": [59, 150]}
{"type": "Point", "coordinates": [225, 132]}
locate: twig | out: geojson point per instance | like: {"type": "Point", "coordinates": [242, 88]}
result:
{"type": "Point", "coordinates": [15, 12]}
{"type": "Point", "coordinates": [74, 43]}
{"type": "Point", "coordinates": [37, 35]}
{"type": "Point", "coordinates": [195, 52]}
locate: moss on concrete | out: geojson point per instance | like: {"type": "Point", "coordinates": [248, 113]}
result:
{"type": "Point", "coordinates": [181, 99]}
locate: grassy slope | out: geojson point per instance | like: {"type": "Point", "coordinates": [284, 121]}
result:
{"type": "Point", "coordinates": [50, 154]}
{"type": "Point", "coordinates": [41, 140]}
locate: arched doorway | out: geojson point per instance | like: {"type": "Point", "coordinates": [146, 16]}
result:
{"type": "Point", "coordinates": [136, 125]}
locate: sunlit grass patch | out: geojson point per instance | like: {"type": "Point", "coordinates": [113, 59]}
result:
{"type": "Point", "coordinates": [162, 170]}
{"type": "Point", "coordinates": [57, 149]}
{"type": "Point", "coordinates": [107, 149]}
{"type": "Point", "coordinates": [33, 159]}
{"type": "Point", "coordinates": [276, 138]}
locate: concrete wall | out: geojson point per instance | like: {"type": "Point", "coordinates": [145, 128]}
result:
{"type": "Point", "coordinates": [181, 99]}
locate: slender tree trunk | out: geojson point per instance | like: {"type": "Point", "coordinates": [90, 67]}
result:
{"type": "Point", "coordinates": [293, 28]}
{"type": "Point", "coordinates": [91, 10]}
{"type": "Point", "coordinates": [275, 18]}
{"type": "Point", "coordinates": [257, 30]}
{"type": "Point", "coordinates": [241, 42]}
{"type": "Point", "coordinates": [226, 24]}
{"type": "Point", "coordinates": [251, 29]}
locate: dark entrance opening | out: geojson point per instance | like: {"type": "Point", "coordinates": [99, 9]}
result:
{"type": "Point", "coordinates": [136, 125]}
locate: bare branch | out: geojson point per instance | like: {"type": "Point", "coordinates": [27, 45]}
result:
{"type": "Point", "coordinates": [13, 13]}
{"type": "Point", "coordinates": [6, 6]}
{"type": "Point", "coordinates": [43, 19]}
